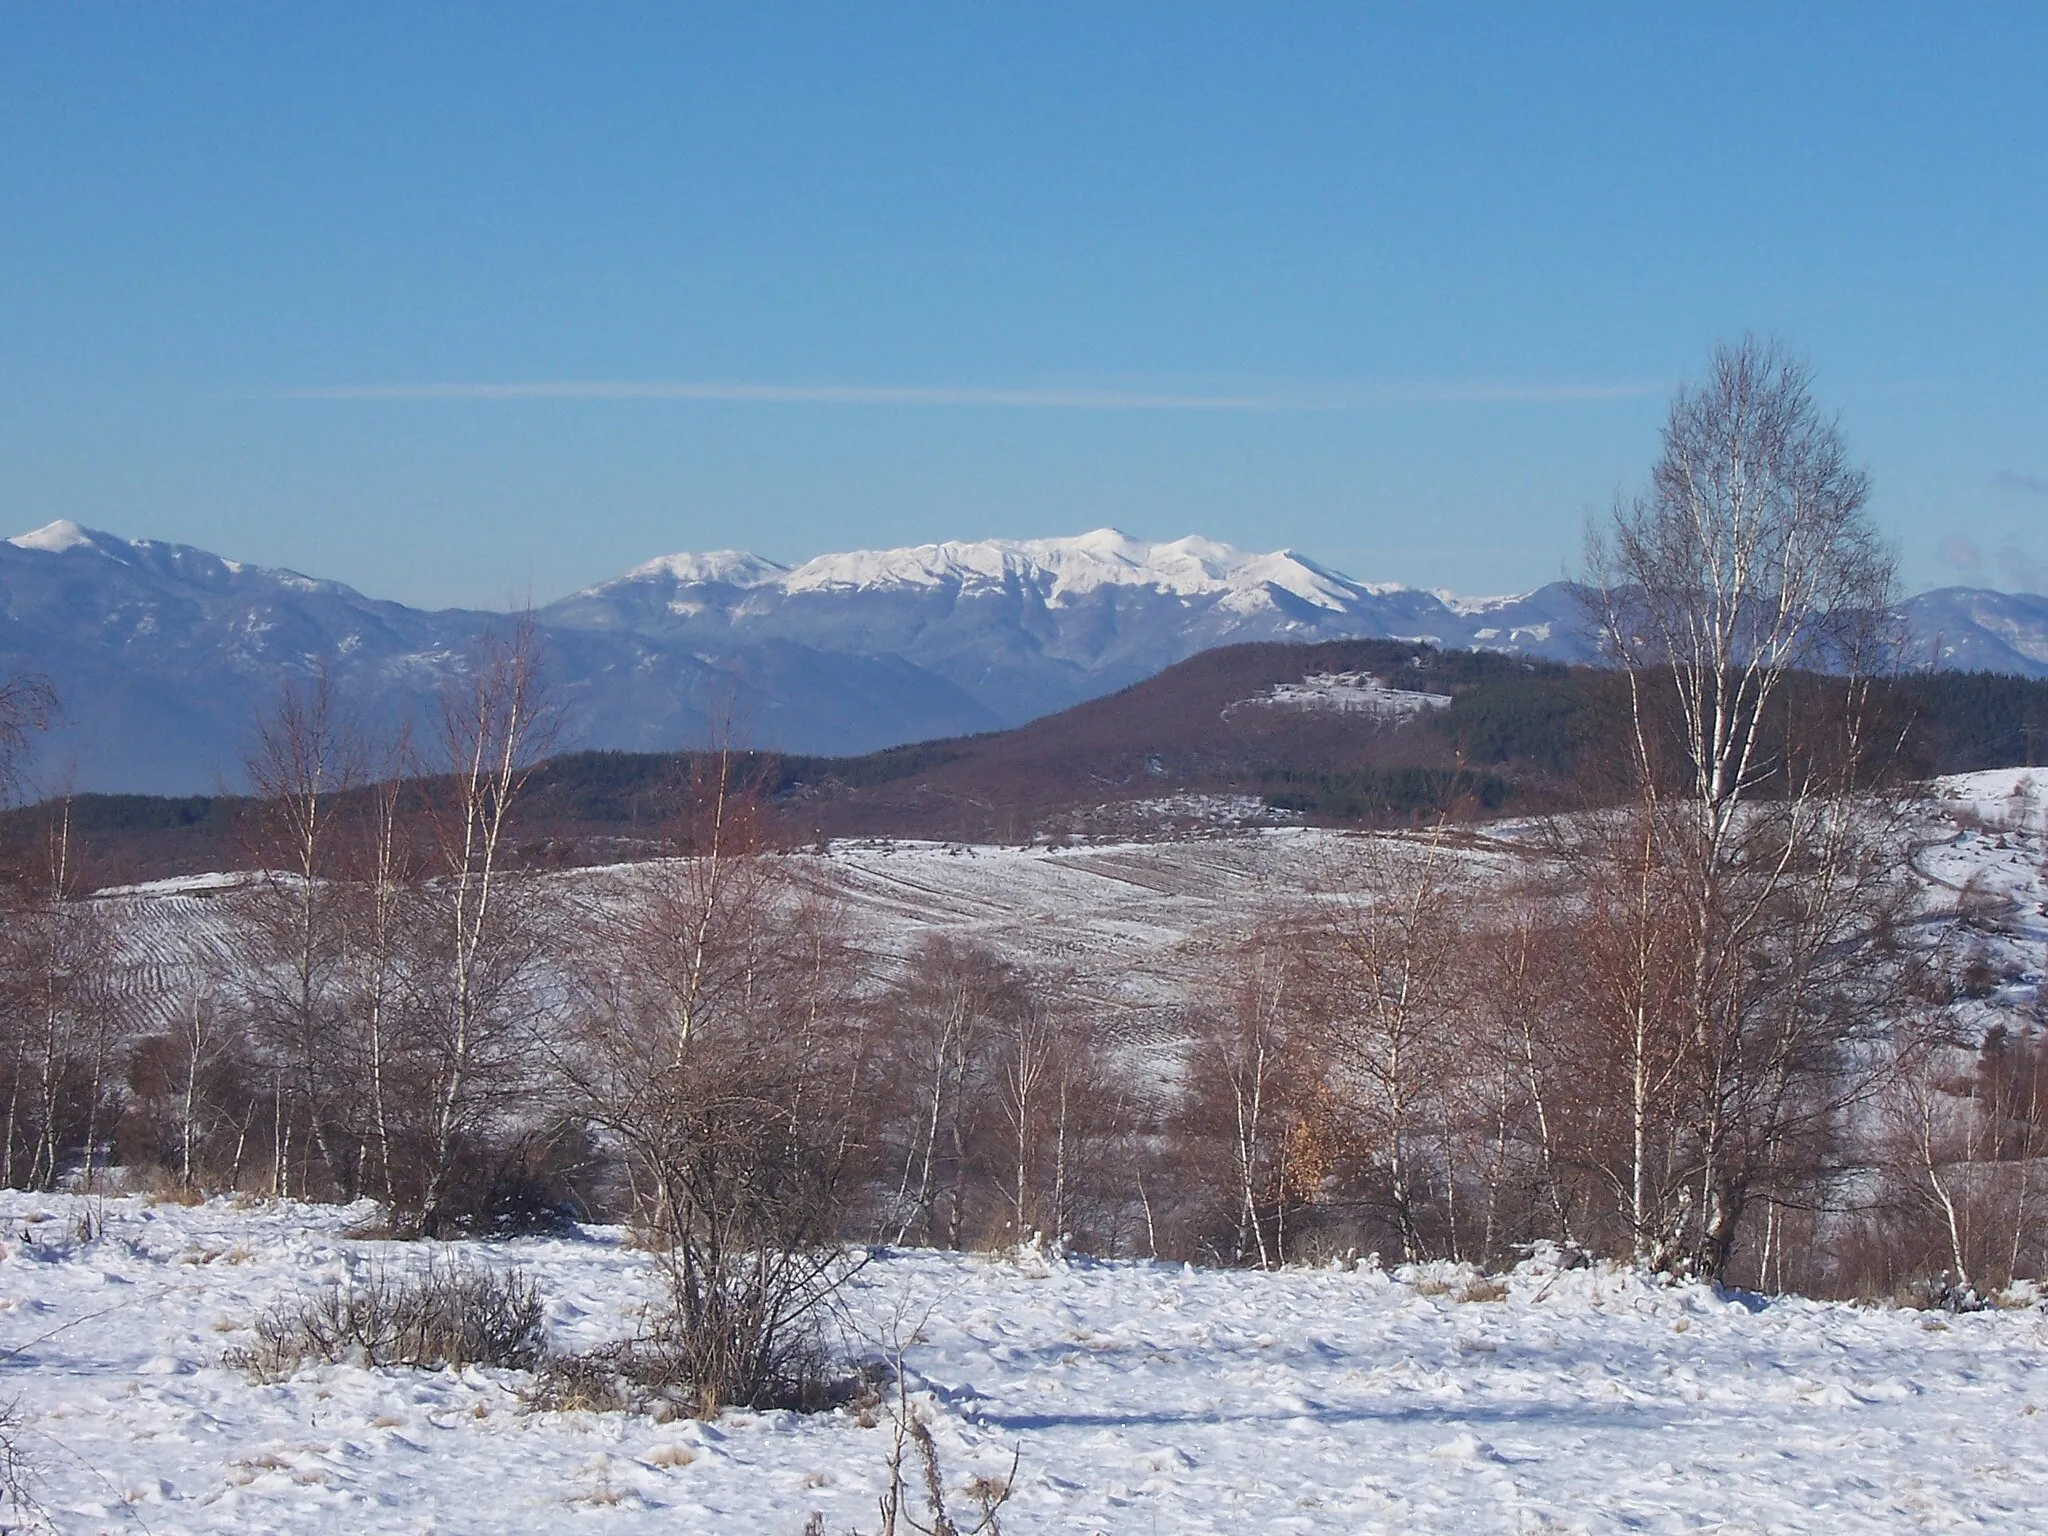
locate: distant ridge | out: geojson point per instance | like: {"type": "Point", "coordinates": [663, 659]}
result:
{"type": "Point", "coordinates": [162, 653]}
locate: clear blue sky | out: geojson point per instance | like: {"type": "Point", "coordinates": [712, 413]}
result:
{"type": "Point", "coordinates": [1402, 288]}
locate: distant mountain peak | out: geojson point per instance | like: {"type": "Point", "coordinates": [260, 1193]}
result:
{"type": "Point", "coordinates": [721, 567]}
{"type": "Point", "coordinates": [55, 538]}
{"type": "Point", "coordinates": [163, 652]}
{"type": "Point", "coordinates": [1061, 569]}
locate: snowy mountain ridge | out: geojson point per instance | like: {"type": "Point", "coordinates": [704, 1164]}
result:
{"type": "Point", "coordinates": [1060, 568]}
{"type": "Point", "coordinates": [163, 652]}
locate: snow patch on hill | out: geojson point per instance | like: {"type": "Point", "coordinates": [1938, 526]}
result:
{"type": "Point", "coordinates": [1354, 693]}
{"type": "Point", "coordinates": [54, 538]}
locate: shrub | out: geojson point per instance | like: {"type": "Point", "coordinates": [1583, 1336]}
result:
{"type": "Point", "coordinates": [603, 1380]}
{"type": "Point", "coordinates": [443, 1314]}
{"type": "Point", "coordinates": [18, 1504]}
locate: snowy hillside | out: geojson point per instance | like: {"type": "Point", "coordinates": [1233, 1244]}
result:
{"type": "Point", "coordinates": [1137, 1397]}
{"type": "Point", "coordinates": [162, 656]}
{"type": "Point", "coordinates": [1128, 922]}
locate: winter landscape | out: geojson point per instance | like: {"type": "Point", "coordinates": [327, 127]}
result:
{"type": "Point", "coordinates": [1345, 1392]}
{"type": "Point", "coordinates": [852, 771]}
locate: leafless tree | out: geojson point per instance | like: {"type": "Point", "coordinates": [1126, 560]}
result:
{"type": "Point", "coordinates": [717, 1043]}
{"type": "Point", "coordinates": [1387, 959]}
{"type": "Point", "coordinates": [60, 1016]}
{"type": "Point", "coordinates": [383, 906]}
{"type": "Point", "coordinates": [28, 704]}
{"type": "Point", "coordinates": [304, 762]}
{"type": "Point", "coordinates": [1752, 851]}
{"type": "Point", "coordinates": [941, 1028]}
{"type": "Point", "coordinates": [495, 725]}
{"type": "Point", "coordinates": [1256, 1076]}
{"type": "Point", "coordinates": [1523, 1077]}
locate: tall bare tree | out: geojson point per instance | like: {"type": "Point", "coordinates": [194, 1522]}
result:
{"type": "Point", "coordinates": [1257, 1076]}
{"type": "Point", "coordinates": [384, 905]}
{"type": "Point", "coordinates": [59, 1016]}
{"type": "Point", "coordinates": [495, 725]}
{"type": "Point", "coordinates": [942, 1026]}
{"type": "Point", "coordinates": [27, 706]}
{"type": "Point", "coordinates": [305, 759]}
{"type": "Point", "coordinates": [1388, 968]}
{"type": "Point", "coordinates": [1752, 850]}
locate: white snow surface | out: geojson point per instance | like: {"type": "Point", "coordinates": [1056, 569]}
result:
{"type": "Point", "coordinates": [1061, 568]}
{"type": "Point", "coordinates": [54, 538]}
{"type": "Point", "coordinates": [1138, 1397]}
{"type": "Point", "coordinates": [2003, 799]}
{"type": "Point", "coordinates": [726, 567]}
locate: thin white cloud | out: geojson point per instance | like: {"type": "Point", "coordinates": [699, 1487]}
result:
{"type": "Point", "coordinates": [1025, 399]}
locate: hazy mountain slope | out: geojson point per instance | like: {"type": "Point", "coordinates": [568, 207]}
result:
{"type": "Point", "coordinates": [1968, 629]}
{"type": "Point", "coordinates": [162, 653]}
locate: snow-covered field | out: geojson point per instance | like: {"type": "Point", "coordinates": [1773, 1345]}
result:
{"type": "Point", "coordinates": [1140, 1397]}
{"type": "Point", "coordinates": [1124, 926]}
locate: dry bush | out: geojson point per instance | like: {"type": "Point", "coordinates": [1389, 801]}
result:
{"type": "Point", "coordinates": [603, 1380]}
{"type": "Point", "coordinates": [654, 1375]}
{"type": "Point", "coordinates": [442, 1314]}
{"type": "Point", "coordinates": [19, 1510]}
{"type": "Point", "coordinates": [717, 1043]}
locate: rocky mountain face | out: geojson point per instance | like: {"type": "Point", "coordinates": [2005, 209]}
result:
{"type": "Point", "coordinates": [163, 654]}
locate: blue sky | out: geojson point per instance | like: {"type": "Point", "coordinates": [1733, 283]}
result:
{"type": "Point", "coordinates": [1402, 288]}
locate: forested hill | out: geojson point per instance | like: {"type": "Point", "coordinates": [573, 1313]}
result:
{"type": "Point", "coordinates": [1345, 732]}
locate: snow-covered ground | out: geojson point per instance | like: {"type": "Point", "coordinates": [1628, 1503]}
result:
{"type": "Point", "coordinates": [1140, 1398]}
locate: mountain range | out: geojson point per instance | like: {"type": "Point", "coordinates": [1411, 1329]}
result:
{"type": "Point", "coordinates": [163, 654]}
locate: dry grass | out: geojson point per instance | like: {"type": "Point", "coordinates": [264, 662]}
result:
{"type": "Point", "coordinates": [453, 1314]}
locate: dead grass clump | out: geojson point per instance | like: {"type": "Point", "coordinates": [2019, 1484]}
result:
{"type": "Point", "coordinates": [442, 1314]}
{"type": "Point", "coordinates": [651, 1376]}
{"type": "Point", "coordinates": [595, 1381]}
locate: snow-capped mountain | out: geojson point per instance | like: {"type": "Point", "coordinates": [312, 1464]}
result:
{"type": "Point", "coordinates": [1028, 626]}
{"type": "Point", "coordinates": [163, 654]}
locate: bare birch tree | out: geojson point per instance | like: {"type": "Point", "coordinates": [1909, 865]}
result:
{"type": "Point", "coordinates": [1388, 956]}
{"type": "Point", "coordinates": [1255, 1078]}
{"type": "Point", "coordinates": [384, 903]}
{"type": "Point", "coordinates": [1747, 568]}
{"type": "Point", "coordinates": [59, 1017]}
{"type": "Point", "coordinates": [495, 725]}
{"type": "Point", "coordinates": [304, 761]}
